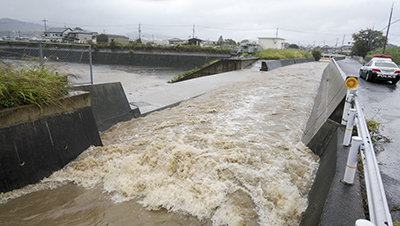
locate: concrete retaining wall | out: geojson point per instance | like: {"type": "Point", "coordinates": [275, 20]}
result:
{"type": "Point", "coordinates": [321, 136]}
{"type": "Point", "coordinates": [110, 105]}
{"type": "Point", "coordinates": [136, 58]}
{"type": "Point", "coordinates": [223, 65]}
{"type": "Point", "coordinates": [36, 142]}
{"type": "Point", "coordinates": [268, 65]}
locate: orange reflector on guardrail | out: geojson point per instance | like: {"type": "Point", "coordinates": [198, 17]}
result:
{"type": "Point", "coordinates": [351, 82]}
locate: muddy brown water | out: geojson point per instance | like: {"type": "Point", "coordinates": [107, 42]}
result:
{"type": "Point", "coordinates": [229, 157]}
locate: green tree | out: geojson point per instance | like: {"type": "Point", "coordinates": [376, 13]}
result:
{"type": "Point", "coordinates": [220, 40]}
{"type": "Point", "coordinates": [366, 41]}
{"type": "Point", "coordinates": [293, 46]}
{"type": "Point", "coordinates": [317, 54]}
{"type": "Point", "coordinates": [230, 41]}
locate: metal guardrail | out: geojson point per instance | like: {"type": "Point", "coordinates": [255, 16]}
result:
{"type": "Point", "coordinates": [377, 202]}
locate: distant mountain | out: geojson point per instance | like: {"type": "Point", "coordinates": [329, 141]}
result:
{"type": "Point", "coordinates": [7, 24]}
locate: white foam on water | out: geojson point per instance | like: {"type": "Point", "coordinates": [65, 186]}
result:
{"type": "Point", "coordinates": [233, 155]}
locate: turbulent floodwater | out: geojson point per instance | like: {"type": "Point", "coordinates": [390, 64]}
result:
{"type": "Point", "coordinates": [229, 157]}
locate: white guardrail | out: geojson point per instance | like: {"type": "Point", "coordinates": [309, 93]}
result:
{"type": "Point", "coordinates": [377, 202]}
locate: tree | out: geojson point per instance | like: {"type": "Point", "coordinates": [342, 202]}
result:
{"type": "Point", "coordinates": [230, 41]}
{"type": "Point", "coordinates": [317, 54]}
{"type": "Point", "coordinates": [366, 41]}
{"type": "Point", "coordinates": [220, 40]}
{"type": "Point", "coordinates": [293, 46]}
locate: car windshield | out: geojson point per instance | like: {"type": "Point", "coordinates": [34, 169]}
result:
{"type": "Point", "coordinates": [385, 64]}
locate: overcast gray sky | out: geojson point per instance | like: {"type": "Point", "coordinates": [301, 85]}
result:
{"type": "Point", "coordinates": [314, 22]}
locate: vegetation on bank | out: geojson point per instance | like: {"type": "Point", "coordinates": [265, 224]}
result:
{"type": "Point", "coordinates": [190, 72]}
{"type": "Point", "coordinates": [394, 52]}
{"type": "Point", "coordinates": [22, 85]}
{"type": "Point", "coordinates": [279, 54]}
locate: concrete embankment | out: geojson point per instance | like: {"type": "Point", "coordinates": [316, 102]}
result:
{"type": "Point", "coordinates": [37, 141]}
{"type": "Point", "coordinates": [330, 201]}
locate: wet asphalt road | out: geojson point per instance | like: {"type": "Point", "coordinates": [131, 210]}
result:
{"type": "Point", "coordinates": [381, 102]}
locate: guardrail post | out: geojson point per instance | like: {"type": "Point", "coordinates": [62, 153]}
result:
{"type": "Point", "coordinates": [41, 53]}
{"type": "Point", "coordinates": [349, 127]}
{"type": "Point", "coordinates": [90, 64]}
{"type": "Point", "coordinates": [352, 160]}
{"type": "Point", "coordinates": [363, 222]}
{"type": "Point", "coordinates": [347, 107]}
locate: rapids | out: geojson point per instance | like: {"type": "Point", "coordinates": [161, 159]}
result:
{"type": "Point", "coordinates": [232, 156]}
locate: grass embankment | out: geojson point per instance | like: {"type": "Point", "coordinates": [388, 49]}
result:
{"type": "Point", "coordinates": [279, 54]}
{"type": "Point", "coordinates": [187, 73]}
{"type": "Point", "coordinates": [394, 52]}
{"type": "Point", "coordinates": [22, 85]}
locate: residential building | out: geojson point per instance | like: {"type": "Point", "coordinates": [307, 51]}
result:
{"type": "Point", "coordinates": [77, 36]}
{"type": "Point", "coordinates": [56, 34]}
{"type": "Point", "coordinates": [271, 43]}
{"type": "Point", "coordinates": [106, 38]}
{"type": "Point", "coordinates": [346, 49]}
{"type": "Point", "coordinates": [195, 42]}
{"type": "Point", "coordinates": [176, 41]}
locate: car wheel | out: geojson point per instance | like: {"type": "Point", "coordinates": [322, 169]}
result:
{"type": "Point", "coordinates": [360, 74]}
{"type": "Point", "coordinates": [368, 77]}
{"type": "Point", "coordinates": [394, 81]}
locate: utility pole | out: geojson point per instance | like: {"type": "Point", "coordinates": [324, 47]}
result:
{"type": "Point", "coordinates": [140, 30]}
{"type": "Point", "coordinates": [387, 31]}
{"type": "Point", "coordinates": [45, 26]}
{"type": "Point", "coordinates": [277, 29]}
{"type": "Point", "coordinates": [193, 30]}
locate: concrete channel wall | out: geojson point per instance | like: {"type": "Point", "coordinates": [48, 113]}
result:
{"type": "Point", "coordinates": [37, 141]}
{"type": "Point", "coordinates": [221, 66]}
{"type": "Point", "coordinates": [330, 201]}
{"type": "Point", "coordinates": [109, 103]}
{"type": "Point", "coordinates": [268, 65]}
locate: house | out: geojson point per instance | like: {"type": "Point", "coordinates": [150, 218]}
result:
{"type": "Point", "coordinates": [56, 34]}
{"type": "Point", "coordinates": [176, 41]}
{"type": "Point", "coordinates": [195, 42]}
{"type": "Point", "coordinates": [247, 47]}
{"type": "Point", "coordinates": [80, 36]}
{"type": "Point", "coordinates": [107, 38]}
{"type": "Point", "coordinates": [346, 49]}
{"type": "Point", "coordinates": [271, 43]}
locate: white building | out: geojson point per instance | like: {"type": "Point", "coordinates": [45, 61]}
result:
{"type": "Point", "coordinates": [271, 43]}
{"type": "Point", "coordinates": [80, 36]}
{"type": "Point", "coordinates": [56, 34]}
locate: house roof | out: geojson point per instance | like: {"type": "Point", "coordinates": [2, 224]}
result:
{"type": "Point", "coordinates": [271, 38]}
{"type": "Point", "coordinates": [57, 30]}
{"type": "Point", "coordinates": [115, 36]}
{"type": "Point", "coordinates": [176, 40]}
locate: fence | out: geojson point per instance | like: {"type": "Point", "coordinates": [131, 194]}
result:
{"type": "Point", "coordinates": [73, 59]}
{"type": "Point", "coordinates": [377, 202]}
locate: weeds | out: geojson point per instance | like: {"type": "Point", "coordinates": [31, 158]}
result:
{"type": "Point", "coordinates": [21, 85]}
{"type": "Point", "coordinates": [376, 137]}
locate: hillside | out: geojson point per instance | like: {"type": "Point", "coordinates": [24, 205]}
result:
{"type": "Point", "coordinates": [7, 24]}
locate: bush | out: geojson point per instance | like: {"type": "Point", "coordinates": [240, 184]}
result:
{"type": "Point", "coordinates": [22, 85]}
{"type": "Point", "coordinates": [317, 54]}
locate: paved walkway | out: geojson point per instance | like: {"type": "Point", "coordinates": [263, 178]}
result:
{"type": "Point", "coordinates": [157, 98]}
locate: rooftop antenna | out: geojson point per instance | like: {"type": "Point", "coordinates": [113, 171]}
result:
{"type": "Point", "coordinates": [277, 29]}
{"type": "Point", "coordinates": [193, 29]}
{"type": "Point", "coordinates": [387, 31]}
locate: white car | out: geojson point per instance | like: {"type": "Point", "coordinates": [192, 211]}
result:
{"type": "Point", "coordinates": [382, 68]}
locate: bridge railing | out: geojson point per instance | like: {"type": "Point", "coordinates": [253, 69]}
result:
{"type": "Point", "coordinates": [362, 143]}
